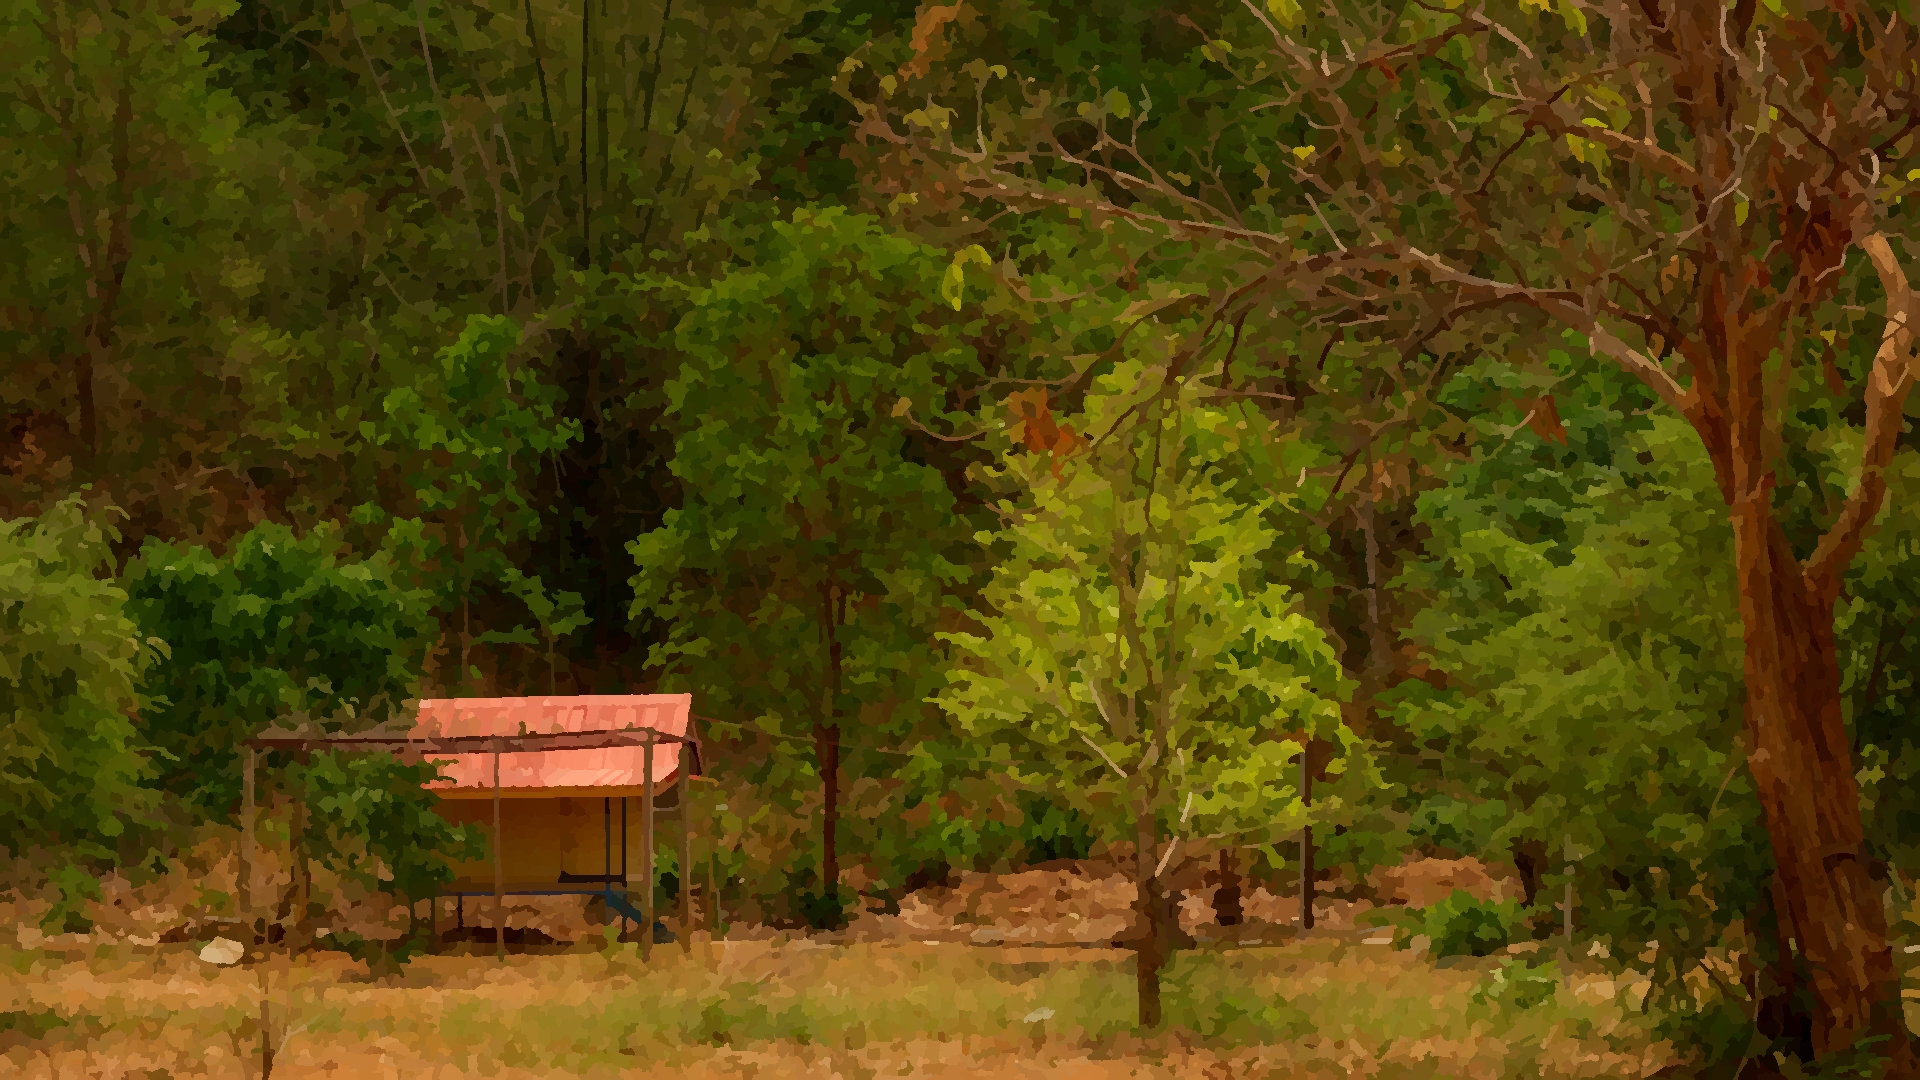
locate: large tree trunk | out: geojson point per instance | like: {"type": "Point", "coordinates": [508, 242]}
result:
{"type": "Point", "coordinates": [1781, 1009]}
{"type": "Point", "coordinates": [1802, 764]}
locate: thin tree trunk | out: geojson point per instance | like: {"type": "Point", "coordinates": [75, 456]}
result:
{"type": "Point", "coordinates": [826, 748]}
{"type": "Point", "coordinates": [1151, 940]}
{"type": "Point", "coordinates": [586, 56]}
{"type": "Point", "coordinates": [1801, 762]}
{"type": "Point", "coordinates": [1306, 839]}
{"type": "Point", "coordinates": [1226, 896]}
{"type": "Point", "coordinates": [826, 753]}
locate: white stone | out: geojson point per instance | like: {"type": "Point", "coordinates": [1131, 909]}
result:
{"type": "Point", "coordinates": [223, 951]}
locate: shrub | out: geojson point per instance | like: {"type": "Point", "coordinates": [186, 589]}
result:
{"type": "Point", "coordinates": [1462, 925]}
{"type": "Point", "coordinates": [1520, 983]}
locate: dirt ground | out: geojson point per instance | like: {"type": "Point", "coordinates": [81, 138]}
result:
{"type": "Point", "coordinates": [1312, 1009]}
{"type": "Point", "coordinates": [1085, 903]}
{"type": "Point", "coordinates": [1000, 975]}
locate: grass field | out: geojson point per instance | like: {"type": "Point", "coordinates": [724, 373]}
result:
{"type": "Point", "coordinates": [1315, 1008]}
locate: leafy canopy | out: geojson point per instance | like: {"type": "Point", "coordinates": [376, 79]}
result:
{"type": "Point", "coordinates": [70, 663]}
{"type": "Point", "coordinates": [1135, 658]}
{"type": "Point", "coordinates": [281, 630]}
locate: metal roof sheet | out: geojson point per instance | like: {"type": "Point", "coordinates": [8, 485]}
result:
{"type": "Point", "coordinates": [621, 766]}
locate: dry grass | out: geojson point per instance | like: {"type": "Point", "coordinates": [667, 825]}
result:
{"type": "Point", "coordinates": [1323, 1007]}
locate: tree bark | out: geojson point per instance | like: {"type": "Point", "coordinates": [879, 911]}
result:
{"type": "Point", "coordinates": [1151, 942]}
{"type": "Point", "coordinates": [1802, 763]}
{"type": "Point", "coordinates": [826, 745]}
{"type": "Point", "coordinates": [1226, 896]}
{"type": "Point", "coordinates": [826, 755]}
{"type": "Point", "coordinates": [1529, 858]}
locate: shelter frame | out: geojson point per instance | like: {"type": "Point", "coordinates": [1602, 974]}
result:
{"type": "Point", "coordinates": [422, 746]}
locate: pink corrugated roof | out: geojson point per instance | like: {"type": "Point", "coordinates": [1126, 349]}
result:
{"type": "Point", "coordinates": [619, 766]}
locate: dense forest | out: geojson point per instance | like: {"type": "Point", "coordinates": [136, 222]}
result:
{"type": "Point", "coordinates": [1023, 426]}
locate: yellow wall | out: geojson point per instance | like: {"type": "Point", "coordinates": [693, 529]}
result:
{"type": "Point", "coordinates": [543, 836]}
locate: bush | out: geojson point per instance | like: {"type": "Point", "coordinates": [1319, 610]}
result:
{"type": "Point", "coordinates": [825, 910]}
{"type": "Point", "coordinates": [70, 658]}
{"type": "Point", "coordinates": [1462, 925]}
{"type": "Point", "coordinates": [1520, 983]}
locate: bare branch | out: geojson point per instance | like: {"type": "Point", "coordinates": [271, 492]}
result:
{"type": "Point", "coordinates": [1103, 754]}
{"type": "Point", "coordinates": [1887, 387]}
{"type": "Point", "coordinates": [1565, 306]}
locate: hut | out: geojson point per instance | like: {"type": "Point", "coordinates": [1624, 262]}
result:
{"type": "Point", "coordinates": [566, 788]}
{"type": "Point", "coordinates": [567, 814]}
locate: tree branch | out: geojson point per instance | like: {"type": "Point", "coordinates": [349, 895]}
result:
{"type": "Point", "coordinates": [1887, 387]}
{"type": "Point", "coordinates": [1564, 306]}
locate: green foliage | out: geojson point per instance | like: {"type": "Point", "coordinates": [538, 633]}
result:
{"type": "Point", "coordinates": [825, 909]}
{"type": "Point", "coordinates": [1878, 617]}
{"type": "Point", "coordinates": [818, 544]}
{"type": "Point", "coordinates": [1464, 925]}
{"type": "Point", "coordinates": [279, 630]}
{"type": "Point", "coordinates": [1134, 662]}
{"type": "Point", "coordinates": [463, 427]}
{"type": "Point", "coordinates": [371, 820]}
{"type": "Point", "coordinates": [1521, 982]}
{"type": "Point", "coordinates": [1594, 687]}
{"type": "Point", "coordinates": [70, 661]}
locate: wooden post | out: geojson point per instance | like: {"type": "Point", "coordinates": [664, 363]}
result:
{"type": "Point", "coordinates": [713, 894]}
{"type": "Point", "coordinates": [606, 852]}
{"type": "Point", "coordinates": [624, 846]}
{"type": "Point", "coordinates": [1306, 843]}
{"type": "Point", "coordinates": [499, 868]}
{"type": "Point", "coordinates": [646, 852]}
{"type": "Point", "coordinates": [686, 848]}
{"type": "Point", "coordinates": [303, 882]}
{"type": "Point", "coordinates": [245, 884]}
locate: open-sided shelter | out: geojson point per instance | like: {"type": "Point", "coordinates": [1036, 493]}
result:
{"type": "Point", "coordinates": [555, 782]}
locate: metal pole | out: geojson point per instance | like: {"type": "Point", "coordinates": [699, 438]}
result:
{"type": "Point", "coordinates": [1306, 844]}
{"type": "Point", "coordinates": [499, 868]}
{"type": "Point", "coordinates": [246, 842]}
{"type": "Point", "coordinates": [646, 854]}
{"type": "Point", "coordinates": [686, 848]}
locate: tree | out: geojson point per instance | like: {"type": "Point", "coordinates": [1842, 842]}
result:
{"type": "Point", "coordinates": [800, 580]}
{"type": "Point", "coordinates": [464, 426]}
{"type": "Point", "coordinates": [280, 630]}
{"type": "Point", "coordinates": [1133, 657]}
{"type": "Point", "coordinates": [1682, 176]}
{"type": "Point", "coordinates": [70, 660]}
{"type": "Point", "coordinates": [1582, 623]}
